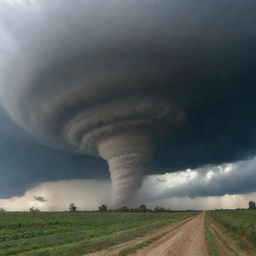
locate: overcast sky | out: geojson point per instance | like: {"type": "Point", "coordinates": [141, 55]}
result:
{"type": "Point", "coordinates": [57, 58]}
{"type": "Point", "coordinates": [30, 171]}
{"type": "Point", "coordinates": [212, 187]}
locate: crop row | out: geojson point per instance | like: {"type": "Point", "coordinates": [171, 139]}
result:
{"type": "Point", "coordinates": [25, 232]}
{"type": "Point", "coordinates": [238, 222]}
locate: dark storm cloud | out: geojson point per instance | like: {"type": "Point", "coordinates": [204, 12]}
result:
{"type": "Point", "coordinates": [40, 199]}
{"type": "Point", "coordinates": [186, 67]}
{"type": "Point", "coordinates": [24, 163]}
{"type": "Point", "coordinates": [218, 180]}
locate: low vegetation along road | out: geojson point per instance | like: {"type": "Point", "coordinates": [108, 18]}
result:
{"type": "Point", "coordinates": [215, 233]}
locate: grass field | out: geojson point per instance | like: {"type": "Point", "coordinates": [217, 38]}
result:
{"type": "Point", "coordinates": [66, 233]}
{"type": "Point", "coordinates": [239, 225]}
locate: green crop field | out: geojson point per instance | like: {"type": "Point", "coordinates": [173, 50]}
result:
{"type": "Point", "coordinates": [240, 222]}
{"type": "Point", "coordinates": [240, 225]}
{"type": "Point", "coordinates": [67, 233]}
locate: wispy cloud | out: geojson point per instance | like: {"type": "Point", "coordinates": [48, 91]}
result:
{"type": "Point", "coordinates": [40, 199]}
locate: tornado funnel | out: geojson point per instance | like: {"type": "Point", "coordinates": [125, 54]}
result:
{"type": "Point", "coordinates": [128, 155]}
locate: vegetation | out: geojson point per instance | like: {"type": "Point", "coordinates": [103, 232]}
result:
{"type": "Point", "coordinates": [147, 242]}
{"type": "Point", "coordinates": [238, 224]}
{"type": "Point", "coordinates": [32, 209]}
{"type": "Point", "coordinates": [141, 208]}
{"type": "Point", "coordinates": [78, 233]}
{"type": "Point", "coordinates": [138, 246]}
{"type": "Point", "coordinates": [103, 208]}
{"type": "Point", "coordinates": [75, 233]}
{"type": "Point", "coordinates": [72, 208]}
{"type": "Point", "coordinates": [252, 205]}
{"type": "Point", "coordinates": [210, 238]}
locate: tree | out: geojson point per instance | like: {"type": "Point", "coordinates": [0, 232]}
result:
{"type": "Point", "coordinates": [123, 209]}
{"type": "Point", "coordinates": [32, 209]}
{"type": "Point", "coordinates": [143, 208]}
{"type": "Point", "coordinates": [162, 209]}
{"type": "Point", "coordinates": [2, 209]}
{"type": "Point", "coordinates": [159, 209]}
{"type": "Point", "coordinates": [252, 205]}
{"type": "Point", "coordinates": [72, 207]}
{"type": "Point", "coordinates": [103, 208]}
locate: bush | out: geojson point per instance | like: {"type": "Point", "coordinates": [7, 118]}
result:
{"type": "Point", "coordinates": [103, 208]}
{"type": "Point", "coordinates": [72, 207]}
{"type": "Point", "coordinates": [32, 209]}
{"type": "Point", "coordinates": [143, 208]}
{"type": "Point", "coordinates": [252, 205]}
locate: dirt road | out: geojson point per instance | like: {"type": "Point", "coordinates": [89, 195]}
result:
{"type": "Point", "coordinates": [186, 240]}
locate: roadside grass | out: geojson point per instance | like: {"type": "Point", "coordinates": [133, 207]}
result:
{"type": "Point", "coordinates": [210, 238]}
{"type": "Point", "coordinates": [240, 225]}
{"type": "Point", "coordinates": [225, 243]}
{"type": "Point", "coordinates": [138, 246]}
{"type": "Point", "coordinates": [75, 233]}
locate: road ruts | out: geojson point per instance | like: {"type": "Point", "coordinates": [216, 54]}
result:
{"type": "Point", "coordinates": [186, 240]}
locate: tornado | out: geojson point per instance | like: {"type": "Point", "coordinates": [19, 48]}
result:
{"type": "Point", "coordinates": [128, 155]}
{"type": "Point", "coordinates": [125, 137]}
{"type": "Point", "coordinates": [118, 79]}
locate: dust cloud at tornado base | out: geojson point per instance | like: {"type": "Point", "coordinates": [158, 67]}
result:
{"type": "Point", "coordinates": [125, 80]}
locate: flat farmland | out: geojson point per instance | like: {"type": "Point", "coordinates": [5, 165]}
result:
{"type": "Point", "coordinates": [212, 233]}
{"type": "Point", "coordinates": [231, 232]}
{"type": "Point", "coordinates": [78, 233]}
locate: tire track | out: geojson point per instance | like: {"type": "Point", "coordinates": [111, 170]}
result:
{"type": "Point", "coordinates": [186, 240]}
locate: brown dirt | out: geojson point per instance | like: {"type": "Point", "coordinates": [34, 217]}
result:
{"type": "Point", "coordinates": [114, 250]}
{"type": "Point", "coordinates": [186, 240]}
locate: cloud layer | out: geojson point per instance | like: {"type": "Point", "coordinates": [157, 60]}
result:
{"type": "Point", "coordinates": [73, 75]}
{"type": "Point", "coordinates": [233, 178]}
{"type": "Point", "coordinates": [224, 186]}
{"type": "Point", "coordinates": [61, 59]}
{"type": "Point", "coordinates": [57, 196]}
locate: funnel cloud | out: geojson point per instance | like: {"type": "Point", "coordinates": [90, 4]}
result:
{"type": "Point", "coordinates": [136, 83]}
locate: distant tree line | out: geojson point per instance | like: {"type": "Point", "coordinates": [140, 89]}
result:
{"type": "Point", "coordinates": [104, 208]}
{"type": "Point", "coordinates": [142, 208]}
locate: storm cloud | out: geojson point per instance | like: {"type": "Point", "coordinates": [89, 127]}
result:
{"type": "Point", "coordinates": [174, 76]}
{"type": "Point", "coordinates": [214, 180]}
{"type": "Point", "coordinates": [209, 187]}
{"type": "Point", "coordinates": [40, 199]}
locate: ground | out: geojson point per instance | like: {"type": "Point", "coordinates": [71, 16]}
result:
{"type": "Point", "coordinates": [215, 233]}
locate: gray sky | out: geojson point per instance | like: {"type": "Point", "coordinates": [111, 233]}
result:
{"type": "Point", "coordinates": [223, 186]}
